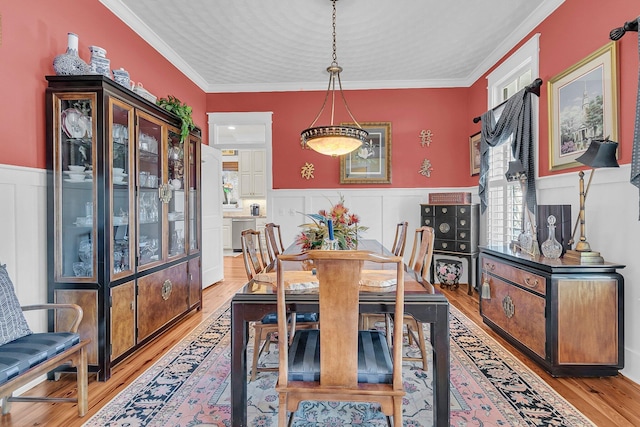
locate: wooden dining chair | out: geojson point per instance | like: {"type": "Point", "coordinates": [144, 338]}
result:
{"type": "Point", "coordinates": [274, 241]}
{"type": "Point", "coordinates": [265, 329]}
{"type": "Point", "coordinates": [420, 262]}
{"type": "Point", "coordinates": [339, 362]}
{"type": "Point", "coordinates": [368, 320]}
{"type": "Point", "coordinates": [400, 241]}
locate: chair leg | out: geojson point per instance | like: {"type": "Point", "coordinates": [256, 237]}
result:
{"type": "Point", "coordinates": [397, 411]}
{"type": "Point", "coordinates": [423, 346]}
{"type": "Point", "coordinates": [282, 411]}
{"type": "Point", "coordinates": [6, 405]}
{"type": "Point", "coordinates": [82, 379]}
{"type": "Point", "coordinates": [256, 350]}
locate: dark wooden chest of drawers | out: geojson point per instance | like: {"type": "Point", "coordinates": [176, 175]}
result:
{"type": "Point", "coordinates": [457, 228]}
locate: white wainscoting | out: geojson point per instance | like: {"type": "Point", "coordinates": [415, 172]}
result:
{"type": "Point", "coordinates": [23, 246]}
{"type": "Point", "coordinates": [379, 209]}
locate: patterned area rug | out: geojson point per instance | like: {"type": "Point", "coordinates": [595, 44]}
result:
{"type": "Point", "coordinates": [189, 387]}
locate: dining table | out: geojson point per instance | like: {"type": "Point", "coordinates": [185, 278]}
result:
{"type": "Point", "coordinates": [422, 300]}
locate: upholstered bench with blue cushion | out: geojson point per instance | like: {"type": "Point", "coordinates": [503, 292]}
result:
{"type": "Point", "coordinates": [25, 356]}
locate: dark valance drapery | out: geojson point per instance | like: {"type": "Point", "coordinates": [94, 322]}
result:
{"type": "Point", "coordinates": [515, 120]}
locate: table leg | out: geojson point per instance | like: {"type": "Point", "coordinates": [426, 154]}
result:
{"type": "Point", "coordinates": [442, 365]}
{"type": "Point", "coordinates": [239, 339]}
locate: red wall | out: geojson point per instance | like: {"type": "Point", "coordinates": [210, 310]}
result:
{"type": "Point", "coordinates": [440, 110]}
{"type": "Point", "coordinates": [34, 32]}
{"type": "Point", "coordinates": [575, 30]}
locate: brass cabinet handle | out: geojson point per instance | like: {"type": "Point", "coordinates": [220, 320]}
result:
{"type": "Point", "coordinates": [463, 246]}
{"type": "Point", "coordinates": [444, 244]}
{"type": "Point", "coordinates": [165, 193]}
{"type": "Point", "coordinates": [166, 289]}
{"type": "Point", "coordinates": [463, 222]}
{"type": "Point", "coordinates": [529, 283]}
{"type": "Point", "coordinates": [463, 235]}
{"type": "Point", "coordinates": [508, 307]}
{"type": "Point", "coordinates": [444, 210]}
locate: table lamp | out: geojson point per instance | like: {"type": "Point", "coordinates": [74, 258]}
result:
{"type": "Point", "coordinates": [599, 154]}
{"type": "Point", "coordinates": [516, 171]}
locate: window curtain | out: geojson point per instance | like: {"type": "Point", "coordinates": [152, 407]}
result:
{"type": "Point", "coordinates": [515, 119]}
{"type": "Point", "coordinates": [635, 154]}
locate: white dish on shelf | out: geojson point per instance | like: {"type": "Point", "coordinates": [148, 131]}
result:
{"type": "Point", "coordinates": [118, 181]}
{"type": "Point", "coordinates": [72, 125]}
{"type": "Point", "coordinates": [75, 169]}
{"type": "Point", "coordinates": [74, 180]}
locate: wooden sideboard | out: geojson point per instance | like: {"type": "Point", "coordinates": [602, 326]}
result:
{"type": "Point", "coordinates": [567, 316]}
{"type": "Point", "coordinates": [456, 228]}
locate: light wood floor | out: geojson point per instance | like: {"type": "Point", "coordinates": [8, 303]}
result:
{"type": "Point", "coordinates": [613, 401]}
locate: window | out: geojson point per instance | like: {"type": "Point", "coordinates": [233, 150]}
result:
{"type": "Point", "coordinates": [504, 214]}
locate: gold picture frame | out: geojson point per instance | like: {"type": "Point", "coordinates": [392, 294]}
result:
{"type": "Point", "coordinates": [474, 153]}
{"type": "Point", "coordinates": [371, 163]}
{"type": "Point", "coordinates": [583, 105]}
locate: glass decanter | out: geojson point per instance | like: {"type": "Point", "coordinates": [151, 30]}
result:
{"type": "Point", "coordinates": [551, 248]}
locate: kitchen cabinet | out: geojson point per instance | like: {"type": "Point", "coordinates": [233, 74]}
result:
{"type": "Point", "coordinates": [124, 215]}
{"type": "Point", "coordinates": [566, 316]}
{"type": "Point", "coordinates": [226, 234]}
{"type": "Point", "coordinates": [252, 173]}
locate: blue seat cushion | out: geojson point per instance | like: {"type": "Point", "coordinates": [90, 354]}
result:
{"type": "Point", "coordinates": [272, 318]}
{"type": "Point", "coordinates": [24, 353]}
{"type": "Point", "coordinates": [374, 357]}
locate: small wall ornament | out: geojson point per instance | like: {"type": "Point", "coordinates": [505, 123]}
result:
{"type": "Point", "coordinates": [425, 137]}
{"type": "Point", "coordinates": [307, 170]}
{"type": "Point", "coordinates": [426, 168]}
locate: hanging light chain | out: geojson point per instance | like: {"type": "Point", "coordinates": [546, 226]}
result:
{"type": "Point", "coordinates": [333, 20]}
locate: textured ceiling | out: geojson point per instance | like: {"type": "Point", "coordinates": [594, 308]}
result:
{"type": "Point", "coordinates": [272, 45]}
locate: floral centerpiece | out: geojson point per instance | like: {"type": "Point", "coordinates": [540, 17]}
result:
{"type": "Point", "coordinates": [345, 227]}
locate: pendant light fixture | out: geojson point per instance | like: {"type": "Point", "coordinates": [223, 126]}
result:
{"type": "Point", "coordinates": [334, 140]}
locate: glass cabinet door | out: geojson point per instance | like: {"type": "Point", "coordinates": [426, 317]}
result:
{"type": "Point", "coordinates": [178, 202]}
{"type": "Point", "coordinates": [75, 186]}
{"type": "Point", "coordinates": [121, 152]}
{"type": "Point", "coordinates": [194, 189]}
{"type": "Point", "coordinates": [149, 174]}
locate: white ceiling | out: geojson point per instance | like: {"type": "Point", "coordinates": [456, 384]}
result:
{"type": "Point", "coordinates": [277, 45]}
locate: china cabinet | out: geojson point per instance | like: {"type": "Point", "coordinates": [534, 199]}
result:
{"type": "Point", "coordinates": [123, 215]}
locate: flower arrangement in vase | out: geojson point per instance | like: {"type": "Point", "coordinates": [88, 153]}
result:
{"type": "Point", "coordinates": [345, 227]}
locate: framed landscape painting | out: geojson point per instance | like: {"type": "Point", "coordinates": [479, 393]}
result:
{"type": "Point", "coordinates": [583, 105]}
{"type": "Point", "coordinates": [474, 153]}
{"type": "Point", "coordinates": [371, 163]}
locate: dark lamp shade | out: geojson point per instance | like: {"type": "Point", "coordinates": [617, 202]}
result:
{"type": "Point", "coordinates": [515, 171]}
{"type": "Point", "coordinates": [600, 154]}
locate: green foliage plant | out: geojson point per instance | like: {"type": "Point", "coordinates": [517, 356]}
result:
{"type": "Point", "coordinates": [183, 111]}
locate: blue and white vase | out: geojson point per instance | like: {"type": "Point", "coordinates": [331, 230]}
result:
{"type": "Point", "coordinates": [69, 63]}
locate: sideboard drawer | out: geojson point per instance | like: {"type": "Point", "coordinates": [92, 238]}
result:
{"type": "Point", "coordinates": [517, 312]}
{"type": "Point", "coordinates": [518, 276]}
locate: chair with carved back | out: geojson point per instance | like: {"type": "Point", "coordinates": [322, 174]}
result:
{"type": "Point", "coordinates": [420, 262]}
{"type": "Point", "coordinates": [367, 320]}
{"type": "Point", "coordinates": [274, 241]}
{"type": "Point", "coordinates": [340, 362]}
{"type": "Point", "coordinates": [400, 241]}
{"type": "Point", "coordinates": [266, 329]}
